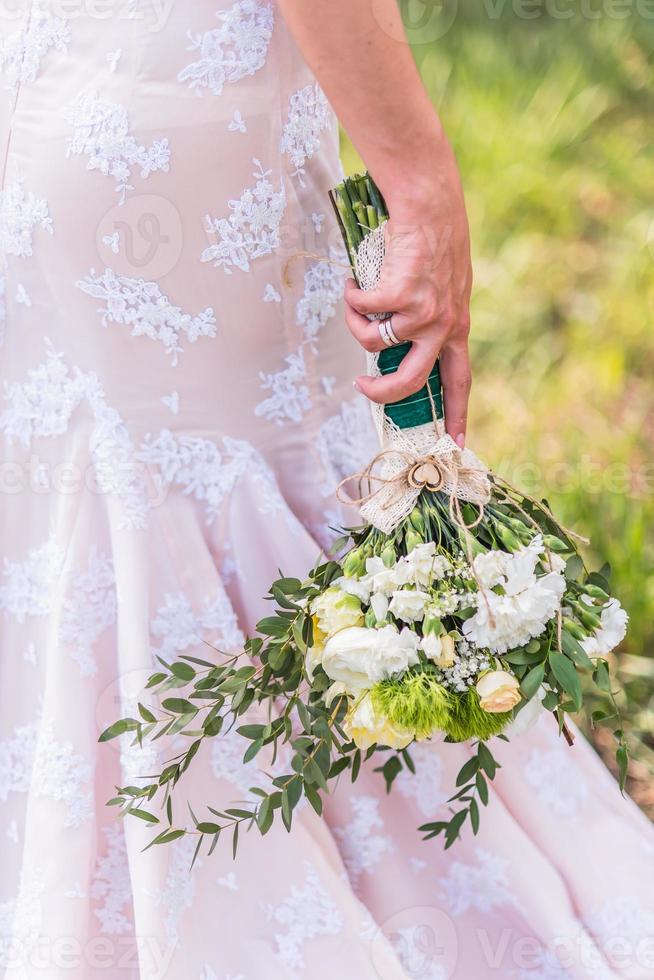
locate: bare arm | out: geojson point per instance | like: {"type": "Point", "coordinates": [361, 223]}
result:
{"type": "Point", "coordinates": [357, 50]}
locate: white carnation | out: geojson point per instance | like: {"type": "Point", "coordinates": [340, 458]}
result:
{"type": "Point", "coordinates": [489, 568]}
{"type": "Point", "coordinates": [611, 632]}
{"type": "Point", "coordinates": [503, 622]}
{"type": "Point", "coordinates": [423, 565]}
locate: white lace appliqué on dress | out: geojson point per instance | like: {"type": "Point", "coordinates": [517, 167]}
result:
{"type": "Point", "coordinates": [101, 131]}
{"type": "Point", "coordinates": [559, 785]}
{"type": "Point", "coordinates": [22, 51]}
{"type": "Point", "coordinates": [111, 885]}
{"type": "Point", "coordinates": [179, 627]}
{"type": "Point", "coordinates": [346, 442]}
{"type": "Point", "coordinates": [20, 213]}
{"type": "Point", "coordinates": [622, 919]}
{"type": "Point", "coordinates": [199, 467]}
{"type": "Point", "coordinates": [362, 849]}
{"type": "Point", "coordinates": [308, 912]}
{"type": "Point", "coordinates": [484, 886]}
{"type": "Point", "coordinates": [30, 586]}
{"type": "Point", "coordinates": [142, 306]}
{"type": "Point", "coordinates": [43, 405]}
{"type": "Point", "coordinates": [308, 115]}
{"type": "Point", "coordinates": [235, 49]}
{"type": "Point", "coordinates": [427, 787]}
{"type": "Point", "coordinates": [252, 228]}
{"type": "Point", "coordinates": [89, 609]}
{"type": "Point", "coordinates": [32, 760]}
{"type": "Point", "coordinates": [289, 399]}
{"type": "Point", "coordinates": [21, 920]}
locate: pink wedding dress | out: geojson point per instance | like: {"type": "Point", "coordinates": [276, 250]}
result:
{"type": "Point", "coordinates": [177, 410]}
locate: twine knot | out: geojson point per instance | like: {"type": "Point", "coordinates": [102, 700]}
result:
{"type": "Point", "coordinates": [390, 485]}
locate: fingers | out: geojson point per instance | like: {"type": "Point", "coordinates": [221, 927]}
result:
{"type": "Point", "coordinates": [456, 380]}
{"type": "Point", "coordinates": [365, 331]}
{"type": "Point", "coordinates": [380, 300]}
{"type": "Point", "coordinates": [410, 377]}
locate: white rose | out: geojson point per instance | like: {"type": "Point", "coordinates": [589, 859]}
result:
{"type": "Point", "coordinates": [347, 657]}
{"type": "Point", "coordinates": [392, 653]}
{"type": "Point", "coordinates": [359, 657]}
{"type": "Point", "coordinates": [336, 610]}
{"type": "Point", "coordinates": [498, 691]}
{"type": "Point", "coordinates": [409, 604]}
{"type": "Point", "coordinates": [440, 649]}
{"type": "Point", "coordinates": [365, 727]}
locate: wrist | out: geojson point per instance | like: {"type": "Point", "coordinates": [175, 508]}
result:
{"type": "Point", "coordinates": [415, 184]}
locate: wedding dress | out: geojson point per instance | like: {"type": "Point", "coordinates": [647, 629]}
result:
{"type": "Point", "coordinates": [176, 413]}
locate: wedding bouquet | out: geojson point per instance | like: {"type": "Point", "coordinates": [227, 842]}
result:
{"type": "Point", "coordinates": [459, 611]}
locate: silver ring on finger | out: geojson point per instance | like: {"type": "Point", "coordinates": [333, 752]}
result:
{"type": "Point", "coordinates": [387, 333]}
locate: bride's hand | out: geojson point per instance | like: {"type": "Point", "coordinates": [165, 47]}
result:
{"type": "Point", "coordinates": [426, 283]}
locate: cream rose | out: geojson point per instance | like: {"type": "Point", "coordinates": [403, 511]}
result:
{"type": "Point", "coordinates": [440, 649]}
{"type": "Point", "coordinates": [367, 727]}
{"type": "Point", "coordinates": [336, 610]}
{"type": "Point", "coordinates": [498, 691]}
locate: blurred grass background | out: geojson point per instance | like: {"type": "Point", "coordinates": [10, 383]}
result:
{"type": "Point", "coordinates": [551, 121]}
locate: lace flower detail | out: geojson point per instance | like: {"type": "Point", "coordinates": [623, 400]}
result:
{"type": "Point", "coordinates": [42, 406]}
{"type": "Point", "coordinates": [309, 911]}
{"type": "Point", "coordinates": [20, 213]}
{"type": "Point", "coordinates": [30, 585]}
{"type": "Point", "coordinates": [252, 228]}
{"type": "Point", "coordinates": [180, 628]}
{"type": "Point", "coordinates": [200, 468]}
{"type": "Point", "coordinates": [289, 398]}
{"type": "Point", "coordinates": [21, 53]}
{"type": "Point", "coordinates": [143, 307]}
{"type": "Point", "coordinates": [308, 114]}
{"type": "Point", "coordinates": [101, 131]}
{"type": "Point", "coordinates": [111, 886]}
{"type": "Point", "coordinates": [89, 610]}
{"type": "Point", "coordinates": [235, 49]}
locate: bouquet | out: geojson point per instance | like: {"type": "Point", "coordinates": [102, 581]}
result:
{"type": "Point", "coordinates": [460, 611]}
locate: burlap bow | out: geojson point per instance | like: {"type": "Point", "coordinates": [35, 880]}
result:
{"type": "Point", "coordinates": [458, 473]}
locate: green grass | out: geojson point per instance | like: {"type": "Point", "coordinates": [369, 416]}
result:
{"type": "Point", "coordinates": [551, 123]}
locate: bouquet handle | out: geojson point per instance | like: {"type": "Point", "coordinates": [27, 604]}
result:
{"type": "Point", "coordinates": [361, 211]}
